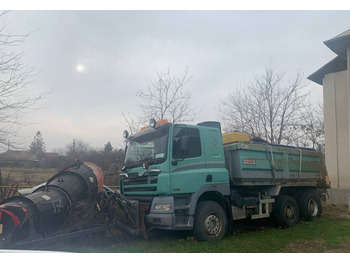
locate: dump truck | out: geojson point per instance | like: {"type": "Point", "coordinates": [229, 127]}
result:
{"type": "Point", "coordinates": [193, 177]}
{"type": "Point", "coordinates": [175, 177]}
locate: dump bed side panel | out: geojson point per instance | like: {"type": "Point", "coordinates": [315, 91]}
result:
{"type": "Point", "coordinates": [264, 164]}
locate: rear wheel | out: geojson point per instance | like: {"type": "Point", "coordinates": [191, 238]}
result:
{"type": "Point", "coordinates": [287, 211]}
{"type": "Point", "coordinates": [310, 205]}
{"type": "Point", "coordinates": [210, 221]}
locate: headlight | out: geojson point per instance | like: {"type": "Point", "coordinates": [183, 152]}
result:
{"type": "Point", "coordinates": [162, 207]}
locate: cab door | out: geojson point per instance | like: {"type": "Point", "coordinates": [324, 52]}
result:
{"type": "Point", "coordinates": [188, 165]}
{"type": "Point", "coordinates": [215, 157]}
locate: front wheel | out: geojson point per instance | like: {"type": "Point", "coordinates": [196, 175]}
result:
{"type": "Point", "coordinates": [210, 221]}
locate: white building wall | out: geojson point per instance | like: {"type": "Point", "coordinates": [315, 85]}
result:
{"type": "Point", "coordinates": [336, 95]}
{"type": "Point", "coordinates": [330, 126]}
{"type": "Point", "coordinates": [337, 135]}
{"type": "Point", "coordinates": [336, 92]}
{"type": "Point", "coordinates": [342, 111]}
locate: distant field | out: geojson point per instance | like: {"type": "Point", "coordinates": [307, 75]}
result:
{"type": "Point", "coordinates": [29, 177]}
{"type": "Point", "coordinates": [24, 176]}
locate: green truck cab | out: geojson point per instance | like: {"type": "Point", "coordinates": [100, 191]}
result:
{"type": "Point", "coordinates": [186, 179]}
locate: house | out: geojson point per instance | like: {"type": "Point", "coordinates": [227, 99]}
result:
{"type": "Point", "coordinates": [18, 158]}
{"type": "Point", "coordinates": [335, 78]}
{"type": "Point", "coordinates": [51, 155]}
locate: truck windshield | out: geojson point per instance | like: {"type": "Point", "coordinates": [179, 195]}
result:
{"type": "Point", "coordinates": [149, 146]}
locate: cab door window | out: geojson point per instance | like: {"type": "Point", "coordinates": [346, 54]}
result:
{"type": "Point", "coordinates": [186, 143]}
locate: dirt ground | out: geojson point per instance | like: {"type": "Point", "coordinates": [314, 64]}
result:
{"type": "Point", "coordinates": [340, 211]}
{"type": "Point", "coordinates": [320, 245]}
{"type": "Point", "coordinates": [333, 211]}
{"type": "Point", "coordinates": [315, 246]}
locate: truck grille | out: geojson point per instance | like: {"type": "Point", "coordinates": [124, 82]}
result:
{"type": "Point", "coordinates": [140, 180]}
{"type": "Point", "coordinates": [140, 189]}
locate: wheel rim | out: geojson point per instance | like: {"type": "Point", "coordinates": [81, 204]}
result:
{"type": "Point", "coordinates": [312, 207]}
{"type": "Point", "coordinates": [289, 212]}
{"type": "Point", "coordinates": [212, 224]}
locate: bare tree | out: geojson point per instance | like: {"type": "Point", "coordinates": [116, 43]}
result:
{"type": "Point", "coordinates": [269, 107]}
{"type": "Point", "coordinates": [77, 150]}
{"type": "Point", "coordinates": [133, 122]}
{"type": "Point", "coordinates": [312, 126]}
{"type": "Point", "coordinates": [165, 98]}
{"type": "Point", "coordinates": [16, 98]}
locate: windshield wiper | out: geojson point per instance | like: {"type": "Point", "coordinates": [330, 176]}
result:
{"type": "Point", "coordinates": [150, 161]}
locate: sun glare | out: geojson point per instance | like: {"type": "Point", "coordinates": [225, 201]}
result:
{"type": "Point", "coordinates": [80, 68]}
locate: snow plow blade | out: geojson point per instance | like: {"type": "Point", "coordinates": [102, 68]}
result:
{"type": "Point", "coordinates": [74, 202]}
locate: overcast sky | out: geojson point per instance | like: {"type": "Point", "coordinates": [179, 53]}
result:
{"type": "Point", "coordinates": [93, 62]}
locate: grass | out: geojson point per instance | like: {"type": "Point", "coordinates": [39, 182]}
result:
{"type": "Point", "coordinates": [259, 236]}
{"type": "Point", "coordinates": [307, 237]}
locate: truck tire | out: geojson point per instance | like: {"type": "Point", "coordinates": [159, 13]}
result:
{"type": "Point", "coordinates": [287, 211]}
{"type": "Point", "coordinates": [210, 222]}
{"type": "Point", "coordinates": [310, 205]}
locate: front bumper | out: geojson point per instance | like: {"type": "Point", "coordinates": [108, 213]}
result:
{"type": "Point", "coordinates": [171, 219]}
{"type": "Point", "coordinates": [165, 221]}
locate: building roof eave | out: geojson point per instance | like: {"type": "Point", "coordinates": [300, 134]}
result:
{"type": "Point", "coordinates": [339, 44]}
{"type": "Point", "coordinates": [338, 64]}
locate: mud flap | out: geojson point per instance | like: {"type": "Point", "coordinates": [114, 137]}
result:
{"type": "Point", "coordinates": [142, 213]}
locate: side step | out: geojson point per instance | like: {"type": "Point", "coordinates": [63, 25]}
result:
{"type": "Point", "coordinates": [264, 208]}
{"type": "Point", "coordinates": [241, 204]}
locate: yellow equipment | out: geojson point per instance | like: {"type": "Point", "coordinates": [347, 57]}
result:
{"type": "Point", "coordinates": [234, 137]}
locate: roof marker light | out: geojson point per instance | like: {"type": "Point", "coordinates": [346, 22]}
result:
{"type": "Point", "coordinates": [152, 123]}
{"type": "Point", "coordinates": [125, 134]}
